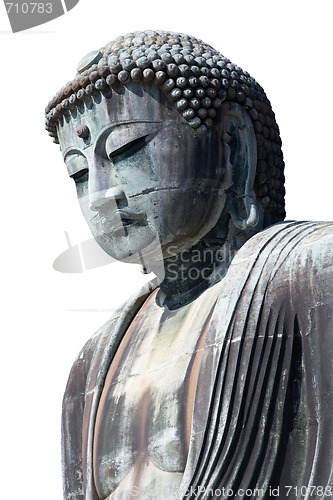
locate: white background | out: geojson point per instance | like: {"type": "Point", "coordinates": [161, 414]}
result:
{"type": "Point", "coordinates": [45, 316]}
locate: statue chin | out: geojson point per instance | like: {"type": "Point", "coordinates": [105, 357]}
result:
{"type": "Point", "coordinates": [142, 243]}
{"type": "Point", "coordinates": [133, 245]}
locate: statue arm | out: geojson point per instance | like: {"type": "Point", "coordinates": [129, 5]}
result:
{"type": "Point", "coordinates": [72, 423]}
{"type": "Point", "coordinates": [81, 397]}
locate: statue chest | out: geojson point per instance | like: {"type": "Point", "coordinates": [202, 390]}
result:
{"type": "Point", "coordinates": [143, 423]}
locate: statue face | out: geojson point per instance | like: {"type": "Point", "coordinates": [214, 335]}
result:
{"type": "Point", "coordinates": [147, 183]}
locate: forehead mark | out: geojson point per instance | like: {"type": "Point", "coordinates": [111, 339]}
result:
{"type": "Point", "coordinates": [82, 131]}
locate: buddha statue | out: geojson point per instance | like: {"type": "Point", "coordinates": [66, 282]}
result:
{"type": "Point", "coordinates": [215, 380]}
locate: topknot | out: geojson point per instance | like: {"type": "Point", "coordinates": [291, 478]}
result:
{"type": "Point", "coordinates": [197, 79]}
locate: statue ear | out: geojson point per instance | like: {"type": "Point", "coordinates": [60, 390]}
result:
{"type": "Point", "coordinates": [240, 148]}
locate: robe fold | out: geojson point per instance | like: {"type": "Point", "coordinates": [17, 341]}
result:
{"type": "Point", "coordinates": [263, 410]}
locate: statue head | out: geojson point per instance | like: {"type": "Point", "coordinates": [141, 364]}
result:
{"type": "Point", "coordinates": [168, 141]}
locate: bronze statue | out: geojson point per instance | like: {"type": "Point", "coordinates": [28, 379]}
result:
{"type": "Point", "coordinates": [216, 379]}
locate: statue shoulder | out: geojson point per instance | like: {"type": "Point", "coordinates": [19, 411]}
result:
{"type": "Point", "coordinates": [311, 255]}
{"type": "Point", "coordinates": [291, 261]}
{"type": "Point", "coordinates": [298, 244]}
{"type": "Point", "coordinates": [299, 271]}
{"type": "Point", "coordinates": [310, 271]}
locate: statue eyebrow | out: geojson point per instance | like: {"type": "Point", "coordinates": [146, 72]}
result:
{"type": "Point", "coordinates": [127, 130]}
{"type": "Point", "coordinates": [71, 152]}
{"type": "Point", "coordinates": [126, 122]}
{"type": "Point", "coordinates": [115, 125]}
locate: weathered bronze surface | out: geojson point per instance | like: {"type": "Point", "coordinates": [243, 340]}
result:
{"type": "Point", "coordinates": [215, 381]}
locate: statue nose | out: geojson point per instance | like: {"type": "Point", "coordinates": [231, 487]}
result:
{"type": "Point", "coordinates": [100, 198]}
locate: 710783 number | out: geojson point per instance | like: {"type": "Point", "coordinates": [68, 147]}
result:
{"type": "Point", "coordinates": [30, 8]}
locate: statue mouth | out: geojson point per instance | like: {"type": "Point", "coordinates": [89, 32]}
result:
{"type": "Point", "coordinates": [120, 220]}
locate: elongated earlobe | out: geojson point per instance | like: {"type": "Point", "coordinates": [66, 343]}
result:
{"type": "Point", "coordinates": [250, 210]}
{"type": "Point", "coordinates": [241, 161]}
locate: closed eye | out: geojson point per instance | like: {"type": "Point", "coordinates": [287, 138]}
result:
{"type": "Point", "coordinates": [125, 139]}
{"type": "Point", "coordinates": [77, 165]}
{"type": "Point", "coordinates": [80, 176]}
{"type": "Point", "coordinates": [130, 148]}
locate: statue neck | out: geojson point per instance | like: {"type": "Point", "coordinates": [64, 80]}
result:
{"type": "Point", "coordinates": [189, 273]}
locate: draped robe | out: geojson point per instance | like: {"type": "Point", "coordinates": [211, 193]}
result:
{"type": "Point", "coordinates": [263, 410]}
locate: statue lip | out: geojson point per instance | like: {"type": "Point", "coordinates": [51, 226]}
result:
{"type": "Point", "coordinates": [122, 218]}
